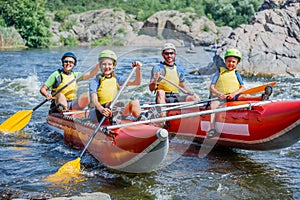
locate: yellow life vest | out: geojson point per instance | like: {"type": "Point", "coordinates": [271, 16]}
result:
{"type": "Point", "coordinates": [107, 90]}
{"type": "Point", "coordinates": [171, 75]}
{"type": "Point", "coordinates": [70, 92]}
{"type": "Point", "coordinates": [227, 81]}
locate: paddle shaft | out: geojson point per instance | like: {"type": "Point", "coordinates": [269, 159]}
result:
{"type": "Point", "coordinates": [66, 85]}
{"type": "Point", "coordinates": [20, 119]}
{"type": "Point", "coordinates": [188, 115]}
{"type": "Point", "coordinates": [172, 83]}
{"type": "Point", "coordinates": [58, 91]}
{"type": "Point", "coordinates": [103, 118]}
{"type": "Point", "coordinates": [163, 104]}
{"type": "Point", "coordinates": [248, 91]}
{"type": "Point", "coordinates": [190, 104]}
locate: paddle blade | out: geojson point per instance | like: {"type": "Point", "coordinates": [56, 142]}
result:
{"type": "Point", "coordinates": [16, 122]}
{"type": "Point", "coordinates": [68, 172]}
{"type": "Point", "coordinates": [260, 88]}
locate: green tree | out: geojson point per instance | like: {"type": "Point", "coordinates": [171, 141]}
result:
{"type": "Point", "coordinates": [231, 12]}
{"type": "Point", "coordinates": [29, 19]}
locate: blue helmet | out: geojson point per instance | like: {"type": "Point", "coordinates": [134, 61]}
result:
{"type": "Point", "coordinates": [69, 54]}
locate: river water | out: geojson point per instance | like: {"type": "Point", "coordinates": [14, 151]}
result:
{"type": "Point", "coordinates": [28, 156]}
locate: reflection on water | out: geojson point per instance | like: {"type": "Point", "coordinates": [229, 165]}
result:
{"type": "Point", "coordinates": [36, 152]}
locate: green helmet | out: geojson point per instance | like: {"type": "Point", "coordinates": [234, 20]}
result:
{"type": "Point", "coordinates": [108, 54]}
{"type": "Point", "coordinates": [234, 53]}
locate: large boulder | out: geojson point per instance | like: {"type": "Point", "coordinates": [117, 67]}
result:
{"type": "Point", "coordinates": [186, 27]}
{"type": "Point", "coordinates": [271, 45]}
{"type": "Point", "coordinates": [93, 25]}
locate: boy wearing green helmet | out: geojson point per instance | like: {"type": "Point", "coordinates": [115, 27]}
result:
{"type": "Point", "coordinates": [105, 87]}
{"type": "Point", "coordinates": [67, 98]}
{"type": "Point", "coordinates": [227, 84]}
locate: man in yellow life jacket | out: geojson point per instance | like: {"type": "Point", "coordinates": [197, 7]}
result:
{"type": "Point", "coordinates": [165, 91]}
{"type": "Point", "coordinates": [227, 84]}
{"type": "Point", "coordinates": [105, 86]}
{"type": "Point", "coordinates": [67, 98]}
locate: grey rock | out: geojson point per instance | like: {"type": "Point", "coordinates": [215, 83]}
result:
{"type": "Point", "coordinates": [270, 45]}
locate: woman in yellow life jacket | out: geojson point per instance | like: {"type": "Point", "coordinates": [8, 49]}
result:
{"type": "Point", "coordinates": [227, 84]}
{"type": "Point", "coordinates": [105, 87]}
{"type": "Point", "coordinates": [67, 98]}
{"type": "Point", "coordinates": [166, 92]}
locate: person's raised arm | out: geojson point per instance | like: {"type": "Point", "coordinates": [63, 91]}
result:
{"type": "Point", "coordinates": [138, 76]}
{"type": "Point", "coordinates": [154, 79]}
{"type": "Point", "coordinates": [91, 73]}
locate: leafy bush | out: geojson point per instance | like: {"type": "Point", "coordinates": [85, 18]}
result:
{"type": "Point", "coordinates": [29, 19]}
{"type": "Point", "coordinates": [68, 41]}
{"type": "Point", "coordinates": [104, 41]}
{"type": "Point", "coordinates": [67, 25]}
{"type": "Point", "coordinates": [122, 31]}
{"type": "Point", "coordinates": [61, 15]}
{"type": "Point", "coordinates": [206, 28]}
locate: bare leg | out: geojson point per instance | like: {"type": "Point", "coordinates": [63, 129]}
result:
{"type": "Point", "coordinates": [133, 107]}
{"type": "Point", "coordinates": [61, 99]}
{"type": "Point", "coordinates": [213, 105]}
{"type": "Point", "coordinates": [245, 97]}
{"type": "Point", "coordinates": [192, 98]}
{"type": "Point", "coordinates": [161, 97]}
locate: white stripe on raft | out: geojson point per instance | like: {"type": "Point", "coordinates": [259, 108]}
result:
{"type": "Point", "coordinates": [227, 128]}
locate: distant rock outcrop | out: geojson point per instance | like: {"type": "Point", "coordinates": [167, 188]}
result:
{"type": "Point", "coordinates": [181, 28]}
{"type": "Point", "coordinates": [270, 45]}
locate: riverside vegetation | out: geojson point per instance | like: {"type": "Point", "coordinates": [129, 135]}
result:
{"type": "Point", "coordinates": [33, 19]}
{"type": "Point", "coordinates": [269, 44]}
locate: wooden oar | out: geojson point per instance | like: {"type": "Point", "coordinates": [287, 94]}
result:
{"type": "Point", "coordinates": [188, 115]}
{"type": "Point", "coordinates": [257, 89]}
{"type": "Point", "coordinates": [72, 168]}
{"type": "Point", "coordinates": [20, 119]}
{"type": "Point", "coordinates": [174, 84]}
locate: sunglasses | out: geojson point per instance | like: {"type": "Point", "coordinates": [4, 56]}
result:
{"type": "Point", "coordinates": [169, 53]}
{"type": "Point", "coordinates": [68, 61]}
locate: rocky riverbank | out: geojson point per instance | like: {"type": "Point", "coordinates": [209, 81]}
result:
{"type": "Point", "coordinates": [270, 46]}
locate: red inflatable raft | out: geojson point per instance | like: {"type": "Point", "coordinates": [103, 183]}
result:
{"type": "Point", "coordinates": [262, 125]}
{"type": "Point", "coordinates": [134, 149]}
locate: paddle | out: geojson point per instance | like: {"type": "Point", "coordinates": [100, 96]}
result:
{"type": "Point", "coordinates": [150, 105]}
{"type": "Point", "coordinates": [20, 119]}
{"type": "Point", "coordinates": [257, 89]}
{"type": "Point", "coordinates": [253, 90]}
{"type": "Point", "coordinates": [72, 168]}
{"type": "Point", "coordinates": [190, 104]}
{"type": "Point", "coordinates": [187, 115]}
{"type": "Point", "coordinates": [172, 83]}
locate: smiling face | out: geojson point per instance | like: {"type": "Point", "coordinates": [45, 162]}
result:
{"type": "Point", "coordinates": [231, 62]}
{"type": "Point", "coordinates": [68, 64]}
{"type": "Point", "coordinates": [107, 66]}
{"type": "Point", "coordinates": [169, 56]}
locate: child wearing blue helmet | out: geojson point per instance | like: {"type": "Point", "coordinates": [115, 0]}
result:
{"type": "Point", "coordinates": [67, 98]}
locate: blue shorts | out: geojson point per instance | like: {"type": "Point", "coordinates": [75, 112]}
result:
{"type": "Point", "coordinates": [72, 105]}
{"type": "Point", "coordinates": [174, 97]}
